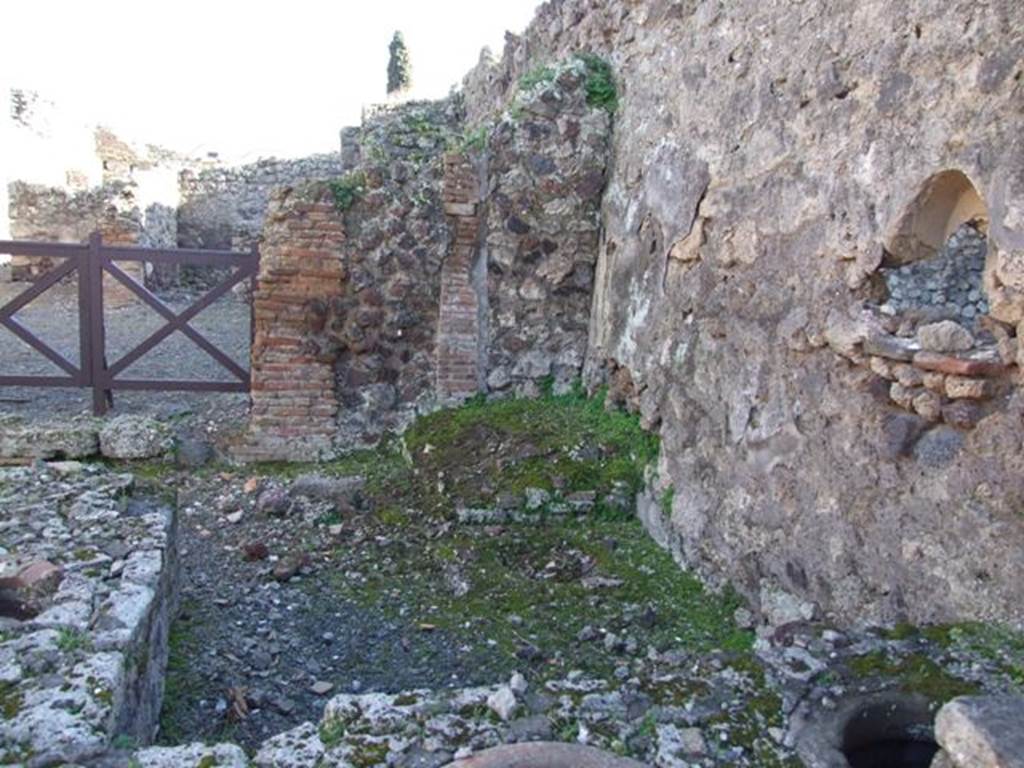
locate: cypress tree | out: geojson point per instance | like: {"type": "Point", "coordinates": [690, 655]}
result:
{"type": "Point", "coordinates": [399, 68]}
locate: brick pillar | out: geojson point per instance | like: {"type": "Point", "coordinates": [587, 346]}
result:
{"type": "Point", "coordinates": [294, 406]}
{"type": "Point", "coordinates": [116, 293]}
{"type": "Point", "coordinates": [458, 332]}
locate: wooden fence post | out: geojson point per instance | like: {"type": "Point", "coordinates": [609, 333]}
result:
{"type": "Point", "coordinates": [101, 395]}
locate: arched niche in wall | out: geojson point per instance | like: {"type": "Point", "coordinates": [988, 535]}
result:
{"type": "Point", "coordinates": [936, 254]}
{"type": "Point", "coordinates": [925, 327]}
{"type": "Point", "coordinates": [946, 200]}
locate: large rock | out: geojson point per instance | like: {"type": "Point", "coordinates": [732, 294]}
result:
{"type": "Point", "coordinates": [300, 747]}
{"type": "Point", "coordinates": [75, 439]}
{"type": "Point", "coordinates": [945, 336]}
{"type": "Point", "coordinates": [198, 755]}
{"type": "Point", "coordinates": [134, 437]}
{"type": "Point", "coordinates": [983, 731]}
{"type": "Point", "coordinates": [343, 491]}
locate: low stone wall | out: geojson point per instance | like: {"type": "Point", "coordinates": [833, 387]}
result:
{"type": "Point", "coordinates": [51, 214]}
{"type": "Point", "coordinates": [87, 591]}
{"type": "Point", "coordinates": [219, 204]}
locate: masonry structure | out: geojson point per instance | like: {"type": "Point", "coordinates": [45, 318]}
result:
{"type": "Point", "coordinates": [803, 273]}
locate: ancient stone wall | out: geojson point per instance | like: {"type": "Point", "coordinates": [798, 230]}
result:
{"type": "Point", "coordinates": [222, 206]}
{"type": "Point", "coordinates": [49, 214]}
{"type": "Point", "coordinates": [546, 161]}
{"type": "Point", "coordinates": [768, 163]}
{"type": "Point", "coordinates": [361, 335]}
{"type": "Point", "coordinates": [469, 257]}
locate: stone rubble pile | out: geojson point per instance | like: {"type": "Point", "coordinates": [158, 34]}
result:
{"type": "Point", "coordinates": [537, 504]}
{"type": "Point", "coordinates": [929, 365]}
{"type": "Point", "coordinates": [672, 708]}
{"type": "Point", "coordinates": [951, 281]}
{"type": "Point", "coordinates": [653, 705]}
{"type": "Point", "coordinates": [87, 591]}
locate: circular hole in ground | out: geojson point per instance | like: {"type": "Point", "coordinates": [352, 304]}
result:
{"type": "Point", "coordinates": [890, 734]}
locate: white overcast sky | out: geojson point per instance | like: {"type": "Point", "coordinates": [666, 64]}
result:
{"type": "Point", "coordinates": [242, 78]}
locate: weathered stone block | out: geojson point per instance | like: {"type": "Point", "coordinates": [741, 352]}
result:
{"type": "Point", "coordinates": [961, 387]}
{"type": "Point", "coordinates": [945, 336]}
{"type": "Point", "coordinates": [983, 731]}
{"type": "Point", "coordinates": [134, 437]}
{"type": "Point", "coordinates": [892, 347]}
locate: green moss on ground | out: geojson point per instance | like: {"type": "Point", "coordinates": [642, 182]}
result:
{"type": "Point", "coordinates": [513, 598]}
{"type": "Point", "coordinates": [524, 584]}
{"type": "Point", "coordinates": [11, 701]}
{"type": "Point", "coordinates": [915, 673]}
{"type": "Point", "coordinates": [1001, 646]}
{"type": "Point", "coordinates": [563, 442]}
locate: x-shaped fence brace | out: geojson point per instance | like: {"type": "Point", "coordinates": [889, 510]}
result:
{"type": "Point", "coordinates": [91, 262]}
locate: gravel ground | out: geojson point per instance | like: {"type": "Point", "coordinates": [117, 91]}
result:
{"type": "Point", "coordinates": [243, 630]}
{"type": "Point", "coordinates": [301, 582]}
{"type": "Point", "coordinates": [53, 317]}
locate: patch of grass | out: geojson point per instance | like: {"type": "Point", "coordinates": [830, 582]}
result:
{"type": "Point", "coordinates": [332, 732]}
{"type": "Point", "coordinates": [1000, 645]}
{"type": "Point", "coordinates": [568, 441]}
{"type": "Point", "coordinates": [183, 685]}
{"type": "Point", "coordinates": [422, 125]}
{"type": "Point", "coordinates": [11, 701]}
{"type": "Point", "coordinates": [70, 640]}
{"type": "Point", "coordinates": [600, 83]}
{"type": "Point", "coordinates": [916, 673]}
{"type": "Point", "coordinates": [347, 190]}
{"type": "Point", "coordinates": [368, 754]}
{"type": "Point", "coordinates": [378, 465]}
{"type": "Point", "coordinates": [508, 575]}
{"type": "Point", "coordinates": [536, 76]}
{"type": "Point", "coordinates": [470, 140]}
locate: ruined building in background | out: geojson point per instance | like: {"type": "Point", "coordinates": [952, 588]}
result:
{"type": "Point", "coordinates": [63, 179]}
{"type": "Point", "coordinates": [804, 271]}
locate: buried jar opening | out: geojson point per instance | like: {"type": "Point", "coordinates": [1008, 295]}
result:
{"type": "Point", "coordinates": [892, 734]}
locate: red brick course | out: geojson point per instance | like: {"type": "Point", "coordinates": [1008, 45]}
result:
{"type": "Point", "coordinates": [458, 333]}
{"type": "Point", "coordinates": [294, 406]}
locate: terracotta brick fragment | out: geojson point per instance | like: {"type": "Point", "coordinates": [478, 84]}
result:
{"type": "Point", "coordinates": [957, 366]}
